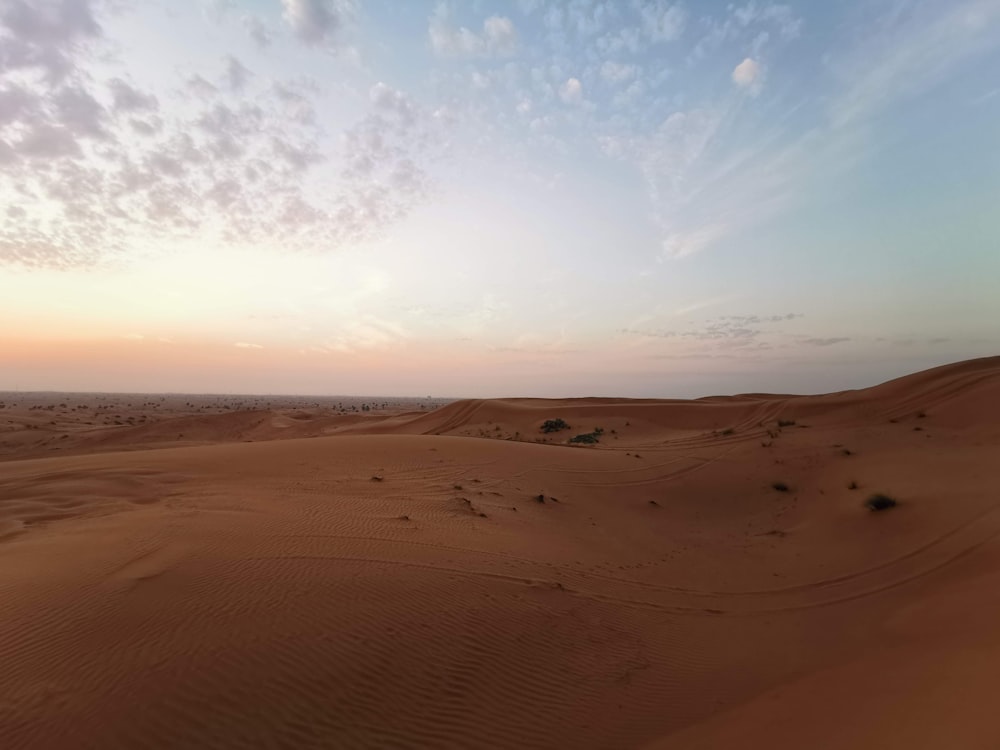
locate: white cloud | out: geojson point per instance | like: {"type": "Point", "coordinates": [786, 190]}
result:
{"type": "Point", "coordinates": [317, 22]}
{"type": "Point", "coordinates": [571, 92]}
{"type": "Point", "coordinates": [747, 73]}
{"type": "Point", "coordinates": [498, 37]}
{"type": "Point", "coordinates": [246, 345]}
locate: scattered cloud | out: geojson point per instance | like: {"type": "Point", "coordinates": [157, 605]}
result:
{"type": "Point", "coordinates": [237, 74]}
{"type": "Point", "coordinates": [246, 345]}
{"type": "Point", "coordinates": [663, 21]}
{"type": "Point", "coordinates": [725, 331]}
{"type": "Point", "coordinates": [825, 341]}
{"type": "Point", "coordinates": [571, 92]}
{"type": "Point", "coordinates": [497, 38]}
{"type": "Point", "coordinates": [616, 72]}
{"type": "Point", "coordinates": [318, 22]}
{"type": "Point", "coordinates": [44, 36]}
{"type": "Point", "coordinates": [127, 98]}
{"type": "Point", "coordinates": [258, 31]}
{"type": "Point", "coordinates": [747, 73]}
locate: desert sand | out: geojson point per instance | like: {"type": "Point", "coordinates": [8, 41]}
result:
{"type": "Point", "coordinates": [254, 573]}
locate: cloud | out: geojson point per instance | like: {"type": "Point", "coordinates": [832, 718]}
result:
{"type": "Point", "coordinates": [682, 244]}
{"type": "Point", "coordinates": [616, 72]}
{"type": "Point", "coordinates": [126, 98]}
{"type": "Point", "coordinates": [726, 331]}
{"type": "Point", "coordinates": [246, 345]}
{"type": "Point", "coordinates": [571, 92]}
{"type": "Point", "coordinates": [258, 31]}
{"type": "Point", "coordinates": [44, 35]}
{"type": "Point", "coordinates": [662, 21]}
{"type": "Point", "coordinates": [317, 22]}
{"type": "Point", "coordinates": [900, 55]}
{"type": "Point", "coordinates": [747, 73]}
{"type": "Point", "coordinates": [237, 74]}
{"type": "Point", "coordinates": [825, 341]}
{"type": "Point", "coordinates": [498, 37]}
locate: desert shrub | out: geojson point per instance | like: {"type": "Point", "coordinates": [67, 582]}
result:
{"type": "Point", "coordinates": [554, 425]}
{"type": "Point", "coordinates": [779, 486]}
{"type": "Point", "coordinates": [880, 502]}
{"type": "Point", "coordinates": [786, 422]}
{"type": "Point", "coordinates": [587, 438]}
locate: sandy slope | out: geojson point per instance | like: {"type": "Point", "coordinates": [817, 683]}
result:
{"type": "Point", "coordinates": [397, 583]}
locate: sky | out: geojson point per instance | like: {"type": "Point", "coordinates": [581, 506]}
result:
{"type": "Point", "coordinates": [496, 197]}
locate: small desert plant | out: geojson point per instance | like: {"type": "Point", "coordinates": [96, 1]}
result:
{"type": "Point", "coordinates": [587, 438]}
{"type": "Point", "coordinates": [786, 422]}
{"type": "Point", "coordinates": [853, 485]}
{"type": "Point", "coordinates": [880, 502]}
{"type": "Point", "coordinates": [779, 486]}
{"type": "Point", "coordinates": [554, 425]}
{"type": "Point", "coordinates": [539, 498]}
{"type": "Point", "coordinates": [728, 431]}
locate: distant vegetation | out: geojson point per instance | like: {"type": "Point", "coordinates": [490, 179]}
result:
{"type": "Point", "coordinates": [786, 423]}
{"type": "Point", "coordinates": [780, 486]}
{"type": "Point", "coordinates": [554, 425]}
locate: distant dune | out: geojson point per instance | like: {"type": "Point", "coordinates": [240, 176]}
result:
{"type": "Point", "coordinates": [689, 574]}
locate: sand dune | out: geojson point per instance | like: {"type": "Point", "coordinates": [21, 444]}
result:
{"type": "Point", "coordinates": [396, 580]}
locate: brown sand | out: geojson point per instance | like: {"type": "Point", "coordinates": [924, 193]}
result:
{"type": "Point", "coordinates": [392, 580]}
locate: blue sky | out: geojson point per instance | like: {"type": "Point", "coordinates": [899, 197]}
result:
{"type": "Point", "coordinates": [496, 198]}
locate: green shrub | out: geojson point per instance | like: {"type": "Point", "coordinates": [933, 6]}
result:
{"type": "Point", "coordinates": [554, 425]}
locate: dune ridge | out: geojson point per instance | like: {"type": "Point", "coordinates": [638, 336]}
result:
{"type": "Point", "coordinates": [297, 578]}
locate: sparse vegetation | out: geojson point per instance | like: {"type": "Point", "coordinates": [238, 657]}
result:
{"type": "Point", "coordinates": [786, 423]}
{"type": "Point", "coordinates": [880, 502]}
{"type": "Point", "coordinates": [554, 425]}
{"type": "Point", "coordinates": [728, 431]}
{"type": "Point", "coordinates": [588, 438]}
{"type": "Point", "coordinates": [779, 486]}
{"type": "Point", "coordinates": [853, 485]}
{"type": "Point", "coordinates": [539, 498]}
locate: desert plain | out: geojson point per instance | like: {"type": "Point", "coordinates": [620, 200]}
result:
{"type": "Point", "coordinates": [277, 572]}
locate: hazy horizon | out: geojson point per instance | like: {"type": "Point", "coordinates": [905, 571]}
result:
{"type": "Point", "coordinates": [499, 198]}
